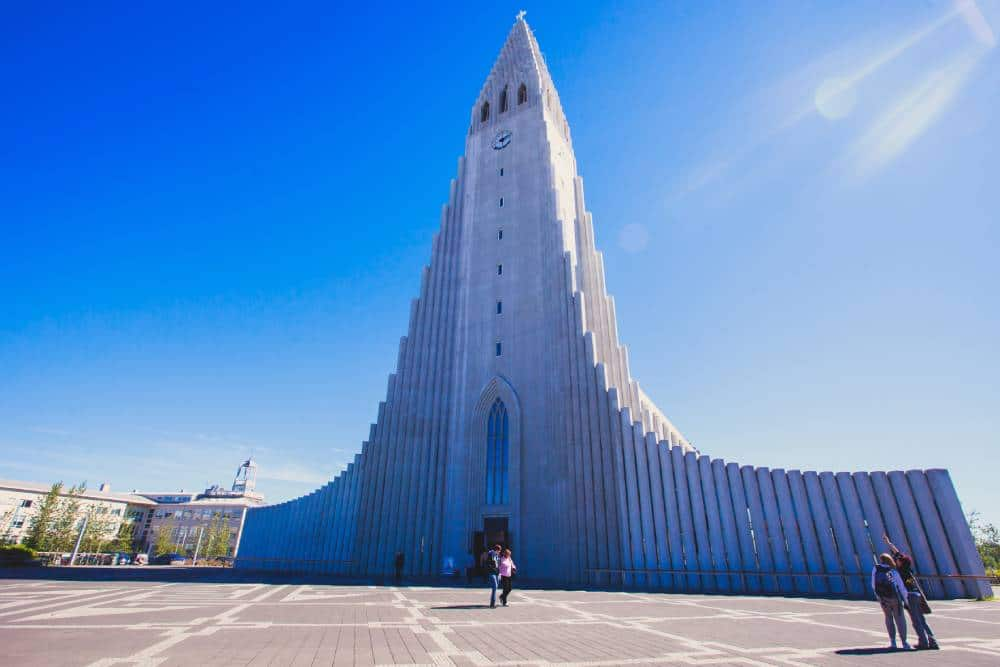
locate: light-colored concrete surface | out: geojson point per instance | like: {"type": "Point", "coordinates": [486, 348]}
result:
{"type": "Point", "coordinates": [144, 623]}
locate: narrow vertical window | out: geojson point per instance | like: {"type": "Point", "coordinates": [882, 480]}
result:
{"type": "Point", "coordinates": [522, 94]}
{"type": "Point", "coordinates": [503, 99]}
{"type": "Point", "coordinates": [499, 349]}
{"type": "Point", "coordinates": [501, 171]}
{"type": "Point", "coordinates": [484, 115]}
{"type": "Point", "coordinates": [499, 269]}
{"type": "Point", "coordinates": [497, 454]}
{"type": "Point", "coordinates": [501, 202]}
{"type": "Point", "coordinates": [499, 307]}
{"type": "Point", "coordinates": [499, 235]}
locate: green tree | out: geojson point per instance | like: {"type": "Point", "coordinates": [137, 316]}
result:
{"type": "Point", "coordinates": [987, 538]}
{"type": "Point", "coordinates": [7, 523]}
{"type": "Point", "coordinates": [40, 535]}
{"type": "Point", "coordinates": [164, 541]}
{"type": "Point", "coordinates": [125, 539]}
{"type": "Point", "coordinates": [66, 519]}
{"type": "Point", "coordinates": [99, 533]}
{"type": "Point", "coordinates": [217, 537]}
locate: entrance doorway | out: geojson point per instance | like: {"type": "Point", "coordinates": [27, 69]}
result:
{"type": "Point", "coordinates": [495, 531]}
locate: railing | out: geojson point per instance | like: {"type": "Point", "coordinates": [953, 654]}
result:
{"type": "Point", "coordinates": [107, 558]}
{"type": "Point", "coordinates": [303, 563]}
{"type": "Point", "coordinates": [744, 574]}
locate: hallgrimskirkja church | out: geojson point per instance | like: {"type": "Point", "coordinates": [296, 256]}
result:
{"type": "Point", "coordinates": [514, 416]}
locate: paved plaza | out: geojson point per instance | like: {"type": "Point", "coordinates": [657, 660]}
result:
{"type": "Point", "coordinates": [151, 623]}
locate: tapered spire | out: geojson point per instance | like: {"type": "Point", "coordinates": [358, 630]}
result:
{"type": "Point", "coordinates": [520, 63]}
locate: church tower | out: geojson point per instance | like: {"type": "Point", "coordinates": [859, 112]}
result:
{"type": "Point", "coordinates": [533, 316]}
{"type": "Point", "coordinates": [494, 389]}
{"type": "Point", "coordinates": [513, 416]}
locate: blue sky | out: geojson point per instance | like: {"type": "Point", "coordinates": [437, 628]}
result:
{"type": "Point", "coordinates": [213, 221]}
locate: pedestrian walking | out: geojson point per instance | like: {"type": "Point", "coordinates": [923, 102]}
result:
{"type": "Point", "coordinates": [492, 561]}
{"type": "Point", "coordinates": [400, 561]}
{"type": "Point", "coordinates": [507, 569]}
{"type": "Point", "coordinates": [891, 595]}
{"type": "Point", "coordinates": [916, 601]}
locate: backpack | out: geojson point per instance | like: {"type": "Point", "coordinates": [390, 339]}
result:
{"type": "Point", "coordinates": [884, 588]}
{"type": "Point", "coordinates": [492, 563]}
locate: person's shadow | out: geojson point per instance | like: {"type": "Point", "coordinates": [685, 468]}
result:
{"type": "Point", "coordinates": [867, 651]}
{"type": "Point", "coordinates": [464, 606]}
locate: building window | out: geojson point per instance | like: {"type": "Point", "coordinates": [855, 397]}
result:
{"type": "Point", "coordinates": [522, 94]}
{"type": "Point", "coordinates": [499, 235]}
{"type": "Point", "coordinates": [503, 99]}
{"type": "Point", "coordinates": [116, 512]}
{"type": "Point", "coordinates": [484, 114]}
{"type": "Point", "coordinates": [25, 503]}
{"type": "Point", "coordinates": [501, 171]}
{"type": "Point", "coordinates": [499, 307]}
{"type": "Point", "coordinates": [501, 202]}
{"type": "Point", "coordinates": [497, 446]}
{"type": "Point", "coordinates": [499, 269]}
{"type": "Point", "coordinates": [18, 523]}
{"type": "Point", "coordinates": [159, 514]}
{"type": "Point", "coordinates": [499, 349]}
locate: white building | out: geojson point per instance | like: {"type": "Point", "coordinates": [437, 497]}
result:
{"type": "Point", "coordinates": [190, 516]}
{"type": "Point", "coordinates": [19, 502]}
{"type": "Point", "coordinates": [186, 513]}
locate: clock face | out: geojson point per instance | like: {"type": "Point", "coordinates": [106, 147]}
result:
{"type": "Point", "coordinates": [502, 139]}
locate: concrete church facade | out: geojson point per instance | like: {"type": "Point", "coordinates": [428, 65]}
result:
{"type": "Point", "coordinates": [513, 417]}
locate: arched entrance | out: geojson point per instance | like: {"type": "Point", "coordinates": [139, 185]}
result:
{"type": "Point", "coordinates": [494, 439]}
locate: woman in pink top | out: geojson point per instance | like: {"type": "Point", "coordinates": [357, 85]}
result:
{"type": "Point", "coordinates": [507, 569]}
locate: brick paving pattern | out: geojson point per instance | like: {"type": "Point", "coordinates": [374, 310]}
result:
{"type": "Point", "coordinates": [145, 623]}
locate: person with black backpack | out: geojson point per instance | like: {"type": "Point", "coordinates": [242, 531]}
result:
{"type": "Point", "coordinates": [891, 595]}
{"type": "Point", "coordinates": [492, 562]}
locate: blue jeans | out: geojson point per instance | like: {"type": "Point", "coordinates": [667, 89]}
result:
{"type": "Point", "coordinates": [924, 634]}
{"type": "Point", "coordinates": [494, 582]}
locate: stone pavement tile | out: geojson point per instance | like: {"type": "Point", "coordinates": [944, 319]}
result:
{"type": "Point", "coordinates": [380, 646]}
{"type": "Point", "coordinates": [120, 615]}
{"type": "Point", "coordinates": [400, 649]}
{"type": "Point", "coordinates": [640, 609]}
{"type": "Point", "coordinates": [955, 622]}
{"type": "Point", "coordinates": [770, 604]}
{"type": "Point", "coordinates": [518, 612]}
{"type": "Point", "coordinates": [762, 632]}
{"type": "Point", "coordinates": [318, 613]}
{"type": "Point", "coordinates": [563, 643]}
{"type": "Point", "coordinates": [875, 656]}
{"type": "Point", "coordinates": [29, 647]}
{"type": "Point", "coordinates": [263, 624]}
{"type": "Point", "coordinates": [362, 649]}
{"type": "Point", "coordinates": [464, 596]}
{"type": "Point", "coordinates": [948, 626]}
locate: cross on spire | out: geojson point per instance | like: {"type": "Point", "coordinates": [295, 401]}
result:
{"type": "Point", "coordinates": [520, 15]}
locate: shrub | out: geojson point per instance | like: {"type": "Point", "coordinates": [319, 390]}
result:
{"type": "Point", "coordinates": [16, 554]}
